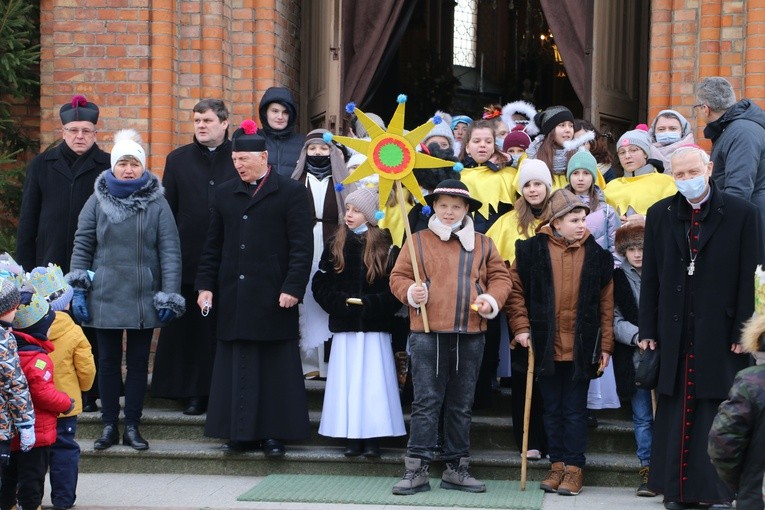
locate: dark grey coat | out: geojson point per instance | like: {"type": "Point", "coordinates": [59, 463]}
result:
{"type": "Point", "coordinates": [738, 152]}
{"type": "Point", "coordinates": [132, 246]}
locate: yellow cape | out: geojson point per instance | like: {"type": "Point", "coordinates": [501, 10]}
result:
{"type": "Point", "coordinates": [640, 192]}
{"type": "Point", "coordinates": [504, 233]}
{"type": "Point", "coordinates": [490, 187]}
{"type": "Point", "coordinates": [394, 222]}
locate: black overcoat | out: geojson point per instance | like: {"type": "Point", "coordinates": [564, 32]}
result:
{"type": "Point", "coordinates": [52, 199]}
{"type": "Point", "coordinates": [192, 173]}
{"type": "Point", "coordinates": [257, 248]}
{"type": "Point", "coordinates": [331, 289]}
{"type": "Point", "coordinates": [723, 287]}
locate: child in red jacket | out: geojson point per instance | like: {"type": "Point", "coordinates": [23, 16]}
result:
{"type": "Point", "coordinates": [24, 478]}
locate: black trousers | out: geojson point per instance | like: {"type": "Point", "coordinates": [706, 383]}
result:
{"type": "Point", "coordinates": [23, 479]}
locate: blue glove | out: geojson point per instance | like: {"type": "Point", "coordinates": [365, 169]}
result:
{"type": "Point", "coordinates": [80, 306]}
{"type": "Point", "coordinates": [165, 315]}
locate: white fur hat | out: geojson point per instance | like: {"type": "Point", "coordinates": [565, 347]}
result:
{"type": "Point", "coordinates": [127, 142]}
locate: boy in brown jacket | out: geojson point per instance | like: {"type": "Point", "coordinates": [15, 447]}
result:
{"type": "Point", "coordinates": [562, 301]}
{"type": "Point", "coordinates": [465, 283]}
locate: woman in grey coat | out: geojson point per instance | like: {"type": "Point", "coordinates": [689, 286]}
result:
{"type": "Point", "coordinates": [126, 274]}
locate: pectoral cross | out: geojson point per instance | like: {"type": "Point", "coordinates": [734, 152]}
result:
{"type": "Point", "coordinates": [692, 268]}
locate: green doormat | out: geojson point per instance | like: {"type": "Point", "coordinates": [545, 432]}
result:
{"type": "Point", "coordinates": [377, 491]}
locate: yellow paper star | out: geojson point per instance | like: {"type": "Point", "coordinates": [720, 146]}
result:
{"type": "Point", "coordinates": [391, 154]}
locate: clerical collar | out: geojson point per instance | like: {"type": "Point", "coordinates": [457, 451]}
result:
{"type": "Point", "coordinates": [701, 202]}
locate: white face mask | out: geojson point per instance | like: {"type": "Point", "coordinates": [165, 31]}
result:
{"type": "Point", "coordinates": [692, 188]}
{"type": "Point", "coordinates": [499, 141]}
{"type": "Point", "coordinates": [668, 137]}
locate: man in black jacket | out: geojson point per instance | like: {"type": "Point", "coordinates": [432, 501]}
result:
{"type": "Point", "coordinates": [697, 289]}
{"type": "Point", "coordinates": [186, 348]}
{"type": "Point", "coordinates": [254, 269]}
{"type": "Point", "coordinates": [58, 183]}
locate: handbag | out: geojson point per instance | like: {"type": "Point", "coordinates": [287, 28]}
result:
{"type": "Point", "coordinates": [646, 368]}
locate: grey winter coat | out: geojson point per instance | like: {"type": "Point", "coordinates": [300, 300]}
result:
{"type": "Point", "coordinates": [132, 246]}
{"type": "Point", "coordinates": [738, 153]}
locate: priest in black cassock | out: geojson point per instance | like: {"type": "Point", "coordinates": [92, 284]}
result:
{"type": "Point", "coordinates": [701, 249]}
{"type": "Point", "coordinates": [254, 269]}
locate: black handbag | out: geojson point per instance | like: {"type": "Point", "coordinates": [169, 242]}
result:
{"type": "Point", "coordinates": [646, 368]}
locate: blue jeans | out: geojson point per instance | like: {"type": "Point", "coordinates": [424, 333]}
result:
{"type": "Point", "coordinates": [565, 414]}
{"type": "Point", "coordinates": [64, 463]}
{"type": "Point", "coordinates": [444, 371]}
{"type": "Point", "coordinates": [642, 420]}
{"type": "Point", "coordinates": [137, 348]}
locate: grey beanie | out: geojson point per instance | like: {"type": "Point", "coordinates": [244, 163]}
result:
{"type": "Point", "coordinates": [365, 200]}
{"type": "Point", "coordinates": [638, 138]}
{"type": "Point", "coordinates": [9, 296]}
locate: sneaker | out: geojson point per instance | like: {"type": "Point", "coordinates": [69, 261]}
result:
{"type": "Point", "coordinates": [572, 481]}
{"type": "Point", "coordinates": [643, 489]}
{"type": "Point", "coordinates": [554, 477]}
{"type": "Point", "coordinates": [457, 477]}
{"type": "Point", "coordinates": [415, 477]}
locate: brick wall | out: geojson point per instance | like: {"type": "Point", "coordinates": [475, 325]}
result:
{"type": "Point", "coordinates": [693, 39]}
{"type": "Point", "coordinates": [147, 62]}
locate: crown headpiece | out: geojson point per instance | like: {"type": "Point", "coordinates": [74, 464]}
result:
{"type": "Point", "coordinates": [48, 280]}
{"type": "Point", "coordinates": [30, 314]}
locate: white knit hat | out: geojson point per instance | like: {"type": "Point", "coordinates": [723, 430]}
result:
{"type": "Point", "coordinates": [534, 170]}
{"type": "Point", "coordinates": [127, 142]}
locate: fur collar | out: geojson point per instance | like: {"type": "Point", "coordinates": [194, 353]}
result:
{"type": "Point", "coordinates": [577, 144]}
{"type": "Point", "coordinates": [753, 334]}
{"type": "Point", "coordinates": [465, 235]}
{"type": "Point", "coordinates": [120, 209]}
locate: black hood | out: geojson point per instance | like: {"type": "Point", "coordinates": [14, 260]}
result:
{"type": "Point", "coordinates": [283, 96]}
{"type": "Point", "coordinates": [744, 109]}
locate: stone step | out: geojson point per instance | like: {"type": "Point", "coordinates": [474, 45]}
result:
{"type": "Point", "coordinates": [177, 456]}
{"type": "Point", "coordinates": [487, 432]}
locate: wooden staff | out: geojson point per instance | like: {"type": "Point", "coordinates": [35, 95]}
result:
{"type": "Point", "coordinates": [527, 415]}
{"type": "Point", "coordinates": [412, 254]}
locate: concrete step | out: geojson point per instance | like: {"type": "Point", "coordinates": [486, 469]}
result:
{"type": "Point", "coordinates": [177, 456]}
{"type": "Point", "coordinates": [487, 432]}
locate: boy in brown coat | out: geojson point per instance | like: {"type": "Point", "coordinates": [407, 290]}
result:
{"type": "Point", "coordinates": [562, 302]}
{"type": "Point", "coordinates": [465, 283]}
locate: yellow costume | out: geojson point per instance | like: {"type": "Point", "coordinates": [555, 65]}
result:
{"type": "Point", "coordinates": [490, 187]}
{"type": "Point", "coordinates": [504, 233]}
{"type": "Point", "coordinates": [640, 192]}
{"type": "Point", "coordinates": [394, 222]}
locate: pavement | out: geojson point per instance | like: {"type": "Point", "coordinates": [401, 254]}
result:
{"type": "Point", "coordinates": [194, 492]}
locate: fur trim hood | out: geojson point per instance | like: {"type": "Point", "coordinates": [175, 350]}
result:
{"type": "Point", "coordinates": [577, 144]}
{"type": "Point", "coordinates": [753, 334]}
{"type": "Point", "coordinates": [119, 209]}
{"type": "Point", "coordinates": [524, 108]}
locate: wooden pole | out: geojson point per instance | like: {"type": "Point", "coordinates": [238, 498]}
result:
{"type": "Point", "coordinates": [412, 254]}
{"type": "Point", "coordinates": [527, 415]}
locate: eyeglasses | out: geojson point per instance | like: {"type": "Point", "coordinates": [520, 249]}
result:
{"type": "Point", "coordinates": [697, 106]}
{"type": "Point", "coordinates": [78, 131]}
{"type": "Point", "coordinates": [630, 150]}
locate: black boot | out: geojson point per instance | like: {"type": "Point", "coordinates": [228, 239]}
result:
{"type": "Point", "coordinates": [109, 437]}
{"type": "Point", "coordinates": [371, 448]}
{"type": "Point", "coordinates": [353, 448]}
{"type": "Point", "coordinates": [132, 437]}
{"type": "Point", "coordinates": [195, 406]}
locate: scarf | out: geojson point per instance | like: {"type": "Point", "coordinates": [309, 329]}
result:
{"type": "Point", "coordinates": [664, 152]}
{"type": "Point", "coordinates": [465, 235]}
{"type": "Point", "coordinates": [124, 188]}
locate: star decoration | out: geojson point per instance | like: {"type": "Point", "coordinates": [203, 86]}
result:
{"type": "Point", "coordinates": [391, 154]}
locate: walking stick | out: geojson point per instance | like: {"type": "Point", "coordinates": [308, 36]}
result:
{"type": "Point", "coordinates": [527, 415]}
{"type": "Point", "coordinates": [412, 254]}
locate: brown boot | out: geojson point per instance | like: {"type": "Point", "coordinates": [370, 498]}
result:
{"type": "Point", "coordinates": [572, 481]}
{"type": "Point", "coordinates": [402, 367]}
{"type": "Point", "coordinates": [554, 477]}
